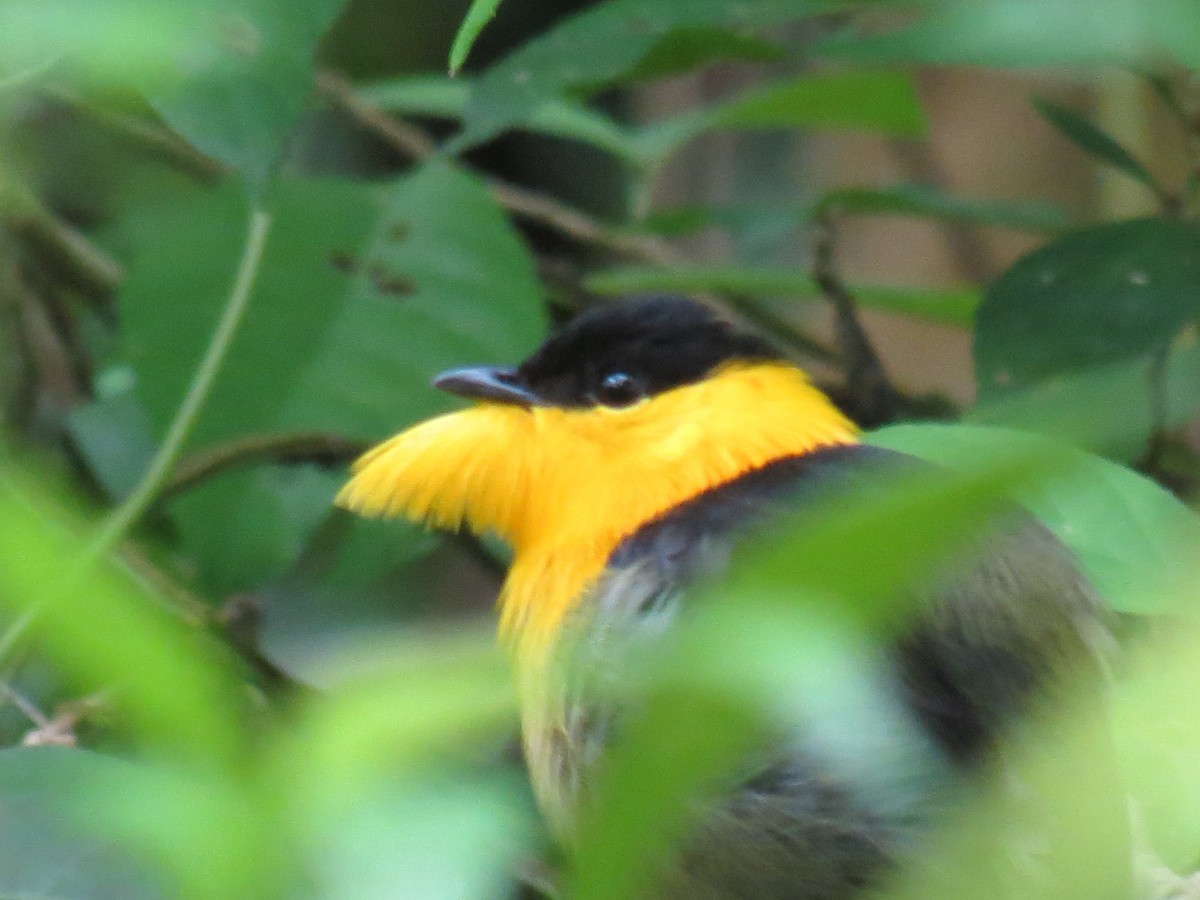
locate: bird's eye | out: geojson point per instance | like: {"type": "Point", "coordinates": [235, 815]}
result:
{"type": "Point", "coordinates": [618, 389]}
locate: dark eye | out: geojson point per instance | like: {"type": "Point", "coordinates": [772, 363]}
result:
{"type": "Point", "coordinates": [618, 389]}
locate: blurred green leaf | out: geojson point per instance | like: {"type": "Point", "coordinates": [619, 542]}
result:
{"type": "Point", "coordinates": [687, 48]}
{"type": "Point", "coordinates": [876, 101]}
{"type": "Point", "coordinates": [1095, 141]}
{"type": "Point", "coordinates": [946, 306]}
{"type": "Point", "coordinates": [922, 200]}
{"type": "Point", "coordinates": [478, 15]}
{"type": "Point", "coordinates": [873, 101]}
{"type": "Point", "coordinates": [448, 99]}
{"type": "Point", "coordinates": [46, 849]}
{"type": "Point", "coordinates": [1095, 296]}
{"type": "Point", "coordinates": [446, 838]}
{"type": "Point", "coordinates": [1135, 33]}
{"type": "Point", "coordinates": [177, 684]}
{"type": "Point", "coordinates": [601, 45]}
{"type": "Point", "coordinates": [391, 777]}
{"type": "Point", "coordinates": [244, 79]}
{"type": "Point", "coordinates": [1158, 735]}
{"type": "Point", "coordinates": [1133, 538]}
{"type": "Point", "coordinates": [1106, 409]}
{"type": "Point", "coordinates": [97, 38]}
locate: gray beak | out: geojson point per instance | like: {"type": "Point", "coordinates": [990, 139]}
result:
{"type": "Point", "coordinates": [495, 383]}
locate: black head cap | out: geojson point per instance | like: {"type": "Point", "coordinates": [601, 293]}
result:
{"type": "Point", "coordinates": [615, 354]}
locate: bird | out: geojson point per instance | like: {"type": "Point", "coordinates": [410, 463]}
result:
{"type": "Point", "coordinates": [621, 462]}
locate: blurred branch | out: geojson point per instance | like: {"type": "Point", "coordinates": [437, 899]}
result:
{"type": "Point", "coordinates": [293, 448]}
{"type": "Point", "coordinates": [156, 140]}
{"type": "Point", "coordinates": [875, 400]}
{"type": "Point", "coordinates": [82, 264]}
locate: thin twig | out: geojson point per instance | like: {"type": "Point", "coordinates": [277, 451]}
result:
{"type": "Point", "coordinates": [875, 399]}
{"type": "Point", "coordinates": [407, 139]}
{"type": "Point", "coordinates": [84, 265]}
{"type": "Point", "coordinates": [159, 470]}
{"type": "Point", "coordinates": [305, 447]}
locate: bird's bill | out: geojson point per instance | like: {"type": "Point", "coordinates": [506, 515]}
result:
{"type": "Point", "coordinates": [495, 383]}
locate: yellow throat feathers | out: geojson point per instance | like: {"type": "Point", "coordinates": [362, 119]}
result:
{"type": "Point", "coordinates": [564, 486]}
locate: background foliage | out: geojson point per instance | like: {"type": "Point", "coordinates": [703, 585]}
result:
{"type": "Point", "coordinates": [237, 238]}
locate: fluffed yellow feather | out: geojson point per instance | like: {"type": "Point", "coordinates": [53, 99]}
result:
{"type": "Point", "coordinates": [564, 486]}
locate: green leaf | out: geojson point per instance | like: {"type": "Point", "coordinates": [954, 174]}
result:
{"type": "Point", "coordinates": [118, 41]}
{"type": "Point", "coordinates": [872, 101]}
{"type": "Point", "coordinates": [1096, 296]}
{"type": "Point", "coordinates": [1093, 140]}
{"type": "Point", "coordinates": [440, 279]}
{"type": "Point", "coordinates": [1133, 33]}
{"type": "Point", "coordinates": [478, 15]}
{"type": "Point", "coordinates": [176, 684]}
{"type": "Point", "coordinates": [1132, 537]}
{"type": "Point", "coordinates": [245, 79]}
{"type": "Point", "coordinates": [689, 48]}
{"type": "Point", "coordinates": [45, 851]}
{"type": "Point", "coordinates": [922, 200]}
{"type": "Point", "coordinates": [946, 306]}
{"type": "Point", "coordinates": [879, 101]}
{"type": "Point", "coordinates": [594, 48]}
{"type": "Point", "coordinates": [1106, 409]}
{"type": "Point", "coordinates": [558, 118]}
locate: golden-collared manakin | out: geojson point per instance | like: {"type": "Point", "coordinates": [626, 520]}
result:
{"type": "Point", "coordinates": [620, 461]}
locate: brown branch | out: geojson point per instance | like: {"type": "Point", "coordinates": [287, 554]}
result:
{"type": "Point", "coordinates": [875, 400]}
{"type": "Point", "coordinates": [403, 137]}
{"type": "Point", "coordinates": [81, 263]}
{"type": "Point", "coordinates": [292, 448]}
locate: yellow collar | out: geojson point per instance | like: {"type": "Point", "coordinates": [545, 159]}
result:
{"type": "Point", "coordinates": [565, 486]}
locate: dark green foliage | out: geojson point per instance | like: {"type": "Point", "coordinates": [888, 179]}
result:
{"type": "Point", "coordinates": [267, 697]}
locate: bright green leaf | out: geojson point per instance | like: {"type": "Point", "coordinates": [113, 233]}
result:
{"type": "Point", "coordinates": [1094, 141]}
{"type": "Point", "coordinates": [1132, 537]}
{"type": "Point", "coordinates": [1095, 296]}
{"type": "Point", "coordinates": [478, 15]}
{"type": "Point", "coordinates": [120, 40]}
